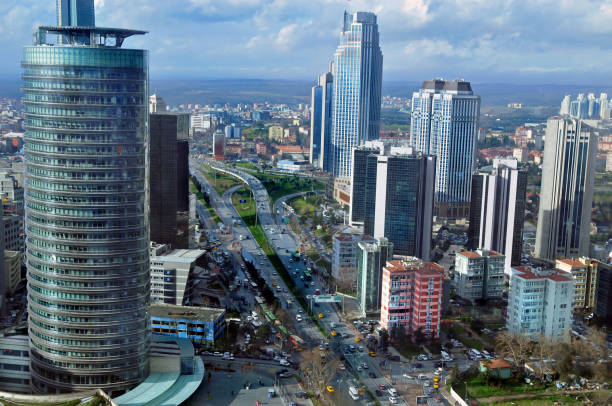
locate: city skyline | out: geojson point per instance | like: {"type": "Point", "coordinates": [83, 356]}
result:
{"type": "Point", "coordinates": [271, 39]}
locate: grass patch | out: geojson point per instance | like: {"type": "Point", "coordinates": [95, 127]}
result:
{"type": "Point", "coordinates": [283, 185]}
{"type": "Point", "coordinates": [478, 388]}
{"type": "Point", "coordinates": [407, 350]}
{"type": "Point", "coordinates": [544, 401]}
{"type": "Point", "coordinates": [247, 165]}
{"type": "Point", "coordinates": [468, 342]}
{"type": "Point", "coordinates": [219, 181]}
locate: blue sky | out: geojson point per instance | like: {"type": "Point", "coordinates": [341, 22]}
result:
{"type": "Point", "coordinates": [492, 41]}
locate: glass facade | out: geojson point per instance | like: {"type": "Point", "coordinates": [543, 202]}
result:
{"type": "Point", "coordinates": [444, 123]}
{"type": "Point", "coordinates": [357, 73]}
{"type": "Point", "coordinates": [371, 258]}
{"type": "Point", "coordinates": [86, 216]}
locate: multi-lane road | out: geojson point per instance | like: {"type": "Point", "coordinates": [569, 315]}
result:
{"type": "Point", "coordinates": [270, 218]}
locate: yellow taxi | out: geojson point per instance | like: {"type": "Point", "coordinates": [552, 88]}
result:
{"type": "Point", "coordinates": [357, 339]}
{"type": "Point", "coordinates": [320, 315]}
{"type": "Point", "coordinates": [331, 389]}
{"type": "Point", "coordinates": [372, 354]}
{"type": "Point", "coordinates": [333, 333]}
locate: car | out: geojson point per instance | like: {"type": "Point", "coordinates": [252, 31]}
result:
{"type": "Point", "coordinates": [393, 400]}
{"type": "Point", "coordinates": [320, 315]}
{"type": "Point", "coordinates": [331, 389]}
{"type": "Point", "coordinates": [359, 368]}
{"type": "Point", "coordinates": [382, 387]}
{"type": "Point", "coordinates": [342, 367]}
{"type": "Point", "coordinates": [422, 377]}
{"type": "Point", "coordinates": [378, 392]}
{"type": "Point", "coordinates": [417, 365]}
{"type": "Point", "coordinates": [372, 354]}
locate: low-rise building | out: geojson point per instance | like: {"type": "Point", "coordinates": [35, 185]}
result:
{"type": "Point", "coordinates": [293, 166]}
{"type": "Point", "coordinates": [411, 297]}
{"type": "Point", "coordinates": [202, 325]}
{"type": "Point", "coordinates": [15, 364]}
{"type": "Point", "coordinates": [171, 272]}
{"type": "Point", "coordinates": [344, 256]}
{"type": "Point", "coordinates": [498, 368]}
{"type": "Point", "coordinates": [540, 303]}
{"type": "Point", "coordinates": [371, 258]}
{"type": "Point", "coordinates": [584, 272]}
{"type": "Point", "coordinates": [479, 274]}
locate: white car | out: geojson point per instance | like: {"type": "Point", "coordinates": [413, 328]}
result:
{"type": "Point", "coordinates": [393, 400]}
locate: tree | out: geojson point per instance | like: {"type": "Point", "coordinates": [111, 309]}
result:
{"type": "Point", "coordinates": [419, 336]}
{"type": "Point", "coordinates": [318, 371]}
{"type": "Point", "coordinates": [516, 346]}
{"type": "Point", "coordinates": [384, 339]}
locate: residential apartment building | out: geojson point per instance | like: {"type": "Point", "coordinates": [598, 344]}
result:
{"type": "Point", "coordinates": [540, 303]}
{"type": "Point", "coordinates": [171, 271]}
{"type": "Point", "coordinates": [344, 256]}
{"type": "Point", "coordinates": [584, 272]}
{"type": "Point", "coordinates": [411, 296]}
{"type": "Point", "coordinates": [13, 232]}
{"type": "Point", "coordinates": [479, 274]}
{"type": "Point", "coordinates": [357, 84]}
{"type": "Point", "coordinates": [444, 123]}
{"type": "Point", "coordinates": [497, 210]}
{"type": "Point", "coordinates": [371, 258]}
{"type": "Point", "coordinates": [276, 133]}
{"type": "Point", "coordinates": [566, 195]}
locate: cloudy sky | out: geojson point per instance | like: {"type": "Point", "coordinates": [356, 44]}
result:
{"type": "Point", "coordinates": [486, 41]}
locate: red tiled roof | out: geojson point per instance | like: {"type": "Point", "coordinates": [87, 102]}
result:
{"type": "Point", "coordinates": [553, 274]}
{"type": "Point", "coordinates": [571, 262]}
{"type": "Point", "coordinates": [470, 254]}
{"type": "Point", "coordinates": [496, 364]}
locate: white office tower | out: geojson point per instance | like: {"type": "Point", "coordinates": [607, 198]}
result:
{"type": "Point", "coordinates": [566, 196]}
{"type": "Point", "coordinates": [444, 123]}
{"type": "Point", "coordinates": [497, 210]}
{"type": "Point", "coordinates": [357, 75]}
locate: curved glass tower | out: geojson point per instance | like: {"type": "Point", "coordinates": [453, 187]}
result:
{"type": "Point", "coordinates": [86, 215]}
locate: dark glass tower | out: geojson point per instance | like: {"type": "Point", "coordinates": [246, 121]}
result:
{"type": "Point", "coordinates": [86, 209]}
{"type": "Point", "coordinates": [169, 179]}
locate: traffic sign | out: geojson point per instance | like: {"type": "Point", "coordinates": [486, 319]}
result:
{"type": "Point", "coordinates": [327, 299]}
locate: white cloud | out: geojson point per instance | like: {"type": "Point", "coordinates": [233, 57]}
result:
{"type": "Point", "coordinates": [286, 37]}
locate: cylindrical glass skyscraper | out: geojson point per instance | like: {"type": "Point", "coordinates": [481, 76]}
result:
{"type": "Point", "coordinates": [86, 210]}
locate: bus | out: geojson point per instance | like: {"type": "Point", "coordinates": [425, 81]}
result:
{"type": "Point", "coordinates": [354, 393]}
{"type": "Point", "coordinates": [307, 276]}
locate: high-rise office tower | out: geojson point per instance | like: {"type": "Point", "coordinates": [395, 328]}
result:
{"type": "Point", "coordinates": [566, 195]}
{"type": "Point", "coordinates": [371, 258]}
{"type": "Point", "coordinates": [75, 13]}
{"type": "Point", "coordinates": [357, 80]}
{"type": "Point", "coordinates": [86, 209]}
{"type": "Point", "coordinates": [444, 123]}
{"type": "Point", "coordinates": [565, 105]}
{"type": "Point", "coordinates": [362, 169]}
{"type": "Point", "coordinates": [157, 104]}
{"type": "Point", "coordinates": [169, 178]}
{"type": "Point", "coordinates": [320, 122]}
{"type": "Point", "coordinates": [401, 207]}
{"type": "Point", "coordinates": [497, 210]}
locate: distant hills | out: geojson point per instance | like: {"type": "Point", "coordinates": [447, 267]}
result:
{"type": "Point", "coordinates": [220, 91]}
